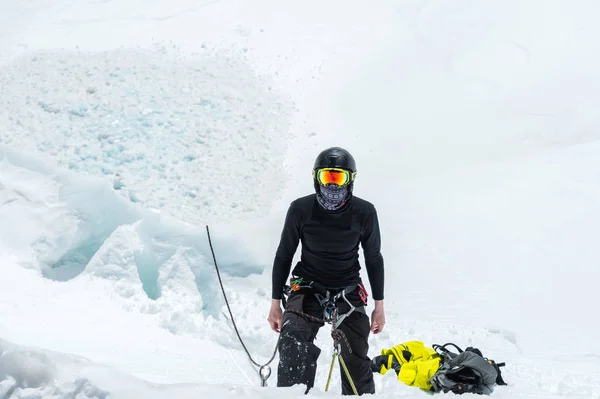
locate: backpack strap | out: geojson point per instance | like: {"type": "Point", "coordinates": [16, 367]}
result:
{"type": "Point", "coordinates": [499, 379]}
{"type": "Point", "coordinates": [445, 352]}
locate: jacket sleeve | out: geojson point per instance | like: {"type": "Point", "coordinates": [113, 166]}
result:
{"type": "Point", "coordinates": [288, 244]}
{"type": "Point", "coordinates": [371, 244]}
{"type": "Point", "coordinates": [418, 363]}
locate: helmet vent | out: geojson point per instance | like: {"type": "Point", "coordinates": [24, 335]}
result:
{"type": "Point", "coordinates": [332, 161]}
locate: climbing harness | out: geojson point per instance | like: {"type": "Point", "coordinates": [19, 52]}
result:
{"type": "Point", "coordinates": [327, 299]}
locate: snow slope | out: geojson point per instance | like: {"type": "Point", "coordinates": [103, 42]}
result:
{"type": "Point", "coordinates": [126, 127]}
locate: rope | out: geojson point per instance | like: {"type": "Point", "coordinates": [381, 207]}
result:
{"type": "Point", "coordinates": [261, 366]}
{"type": "Point", "coordinates": [337, 334]}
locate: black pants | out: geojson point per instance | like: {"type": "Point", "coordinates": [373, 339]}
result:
{"type": "Point", "coordinates": [298, 354]}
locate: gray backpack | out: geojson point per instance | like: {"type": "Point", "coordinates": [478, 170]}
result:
{"type": "Point", "coordinates": [467, 371]}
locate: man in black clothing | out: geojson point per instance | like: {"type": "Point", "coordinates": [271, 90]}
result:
{"type": "Point", "coordinates": [331, 223]}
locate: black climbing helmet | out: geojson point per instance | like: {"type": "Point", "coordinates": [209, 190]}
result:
{"type": "Point", "coordinates": [335, 157]}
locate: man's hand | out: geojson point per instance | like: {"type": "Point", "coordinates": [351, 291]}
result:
{"type": "Point", "coordinates": [377, 318]}
{"type": "Point", "coordinates": [275, 315]}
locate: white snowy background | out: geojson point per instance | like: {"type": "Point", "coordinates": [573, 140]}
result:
{"type": "Point", "coordinates": [126, 127]}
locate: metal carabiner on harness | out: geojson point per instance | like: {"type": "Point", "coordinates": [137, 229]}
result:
{"type": "Point", "coordinates": [329, 312]}
{"type": "Point", "coordinates": [341, 318]}
{"type": "Point", "coordinates": [330, 308]}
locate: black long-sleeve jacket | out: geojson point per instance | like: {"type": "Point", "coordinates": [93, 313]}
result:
{"type": "Point", "coordinates": [330, 243]}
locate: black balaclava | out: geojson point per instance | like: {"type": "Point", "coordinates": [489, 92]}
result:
{"type": "Point", "coordinates": [332, 197]}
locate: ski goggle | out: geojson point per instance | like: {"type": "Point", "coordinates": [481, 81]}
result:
{"type": "Point", "coordinates": [337, 176]}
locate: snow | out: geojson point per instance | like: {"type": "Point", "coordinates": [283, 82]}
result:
{"type": "Point", "coordinates": [154, 143]}
{"type": "Point", "coordinates": [128, 127]}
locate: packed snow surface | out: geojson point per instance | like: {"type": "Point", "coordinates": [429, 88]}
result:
{"type": "Point", "coordinates": [127, 128]}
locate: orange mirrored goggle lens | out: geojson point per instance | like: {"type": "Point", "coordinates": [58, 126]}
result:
{"type": "Point", "coordinates": [333, 176]}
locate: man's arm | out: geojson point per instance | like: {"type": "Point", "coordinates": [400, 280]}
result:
{"type": "Point", "coordinates": [371, 244]}
{"type": "Point", "coordinates": [288, 243]}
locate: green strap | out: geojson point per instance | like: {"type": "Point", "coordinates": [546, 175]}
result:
{"type": "Point", "coordinates": [348, 374]}
{"type": "Point", "coordinates": [330, 371]}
